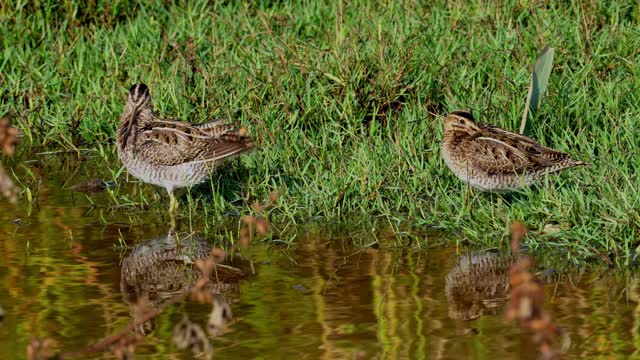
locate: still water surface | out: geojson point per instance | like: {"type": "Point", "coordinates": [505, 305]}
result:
{"type": "Point", "coordinates": [62, 278]}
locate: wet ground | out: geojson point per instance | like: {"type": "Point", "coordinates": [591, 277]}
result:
{"type": "Point", "coordinates": [65, 275]}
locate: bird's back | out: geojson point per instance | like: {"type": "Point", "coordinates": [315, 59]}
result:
{"type": "Point", "coordinates": [493, 159]}
{"type": "Point", "coordinates": [175, 154]}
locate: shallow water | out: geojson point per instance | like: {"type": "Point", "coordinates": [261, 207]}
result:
{"type": "Point", "coordinates": [62, 278]}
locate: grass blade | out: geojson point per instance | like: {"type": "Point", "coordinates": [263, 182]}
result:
{"type": "Point", "coordinates": [538, 86]}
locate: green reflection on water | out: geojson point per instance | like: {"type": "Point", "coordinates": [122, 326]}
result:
{"type": "Point", "coordinates": [60, 278]}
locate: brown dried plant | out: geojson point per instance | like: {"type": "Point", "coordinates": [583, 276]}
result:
{"type": "Point", "coordinates": [257, 224]}
{"type": "Point", "coordinates": [8, 139]}
{"type": "Point", "coordinates": [40, 349]}
{"type": "Point", "coordinates": [527, 298]}
{"type": "Point", "coordinates": [200, 292]}
{"type": "Point", "coordinates": [124, 348]}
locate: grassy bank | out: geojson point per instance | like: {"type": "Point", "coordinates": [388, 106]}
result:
{"type": "Point", "coordinates": [346, 102]}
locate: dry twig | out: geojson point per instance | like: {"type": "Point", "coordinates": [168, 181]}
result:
{"type": "Point", "coordinates": [8, 138]}
{"type": "Point", "coordinates": [527, 299]}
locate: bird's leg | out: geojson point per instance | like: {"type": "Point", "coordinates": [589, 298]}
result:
{"type": "Point", "coordinates": [173, 207]}
{"type": "Point", "coordinates": [173, 204]}
{"type": "Point", "coordinates": [172, 229]}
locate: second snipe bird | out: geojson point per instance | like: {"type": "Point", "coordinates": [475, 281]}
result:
{"type": "Point", "coordinates": [173, 154]}
{"type": "Point", "coordinates": [492, 159]}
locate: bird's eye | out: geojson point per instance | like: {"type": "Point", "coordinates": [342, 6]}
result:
{"type": "Point", "coordinates": [462, 121]}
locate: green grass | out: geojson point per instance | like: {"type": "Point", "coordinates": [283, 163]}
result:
{"type": "Point", "coordinates": [346, 102]}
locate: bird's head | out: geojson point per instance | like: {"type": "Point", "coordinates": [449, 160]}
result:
{"type": "Point", "coordinates": [138, 103]}
{"type": "Point", "coordinates": [460, 122]}
{"type": "Point", "coordinates": [139, 97]}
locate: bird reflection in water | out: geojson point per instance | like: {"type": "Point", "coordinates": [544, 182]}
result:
{"type": "Point", "coordinates": [477, 285]}
{"type": "Point", "coordinates": [161, 271]}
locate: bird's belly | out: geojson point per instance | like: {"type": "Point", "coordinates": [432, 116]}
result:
{"type": "Point", "coordinates": [500, 183]}
{"type": "Point", "coordinates": [482, 180]}
{"type": "Point", "coordinates": [169, 177]}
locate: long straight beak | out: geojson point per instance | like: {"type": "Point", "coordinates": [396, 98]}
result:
{"type": "Point", "coordinates": [132, 120]}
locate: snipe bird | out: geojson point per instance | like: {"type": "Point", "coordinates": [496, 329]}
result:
{"type": "Point", "coordinates": [173, 154]}
{"type": "Point", "coordinates": [493, 159]}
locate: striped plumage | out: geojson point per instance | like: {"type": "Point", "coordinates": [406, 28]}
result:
{"type": "Point", "coordinates": [478, 284]}
{"type": "Point", "coordinates": [492, 159]}
{"type": "Point", "coordinates": [169, 153]}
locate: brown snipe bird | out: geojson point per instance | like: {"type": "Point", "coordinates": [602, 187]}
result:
{"type": "Point", "coordinates": [492, 159]}
{"type": "Point", "coordinates": [170, 153]}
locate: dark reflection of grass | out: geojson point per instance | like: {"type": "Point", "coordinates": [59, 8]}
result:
{"type": "Point", "coordinates": [342, 100]}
